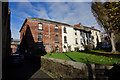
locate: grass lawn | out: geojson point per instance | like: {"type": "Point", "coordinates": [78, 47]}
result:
{"type": "Point", "coordinates": [103, 52]}
{"type": "Point", "coordinates": [85, 57]}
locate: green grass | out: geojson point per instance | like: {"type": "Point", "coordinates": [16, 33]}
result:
{"type": "Point", "coordinates": [103, 52]}
{"type": "Point", "coordinates": [85, 57]}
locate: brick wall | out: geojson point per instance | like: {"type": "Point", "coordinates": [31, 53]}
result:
{"type": "Point", "coordinates": [31, 35]}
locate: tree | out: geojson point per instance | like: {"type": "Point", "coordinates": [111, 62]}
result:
{"type": "Point", "coordinates": [107, 15]}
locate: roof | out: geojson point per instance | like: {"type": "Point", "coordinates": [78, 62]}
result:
{"type": "Point", "coordinates": [44, 20]}
{"type": "Point", "coordinates": [84, 27]}
{"type": "Point", "coordinates": [50, 21]}
{"type": "Point", "coordinates": [23, 24]}
{"type": "Point", "coordinates": [78, 26]}
{"type": "Point", "coordinates": [15, 40]}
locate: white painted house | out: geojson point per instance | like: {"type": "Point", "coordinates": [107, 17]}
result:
{"type": "Point", "coordinates": [77, 36]}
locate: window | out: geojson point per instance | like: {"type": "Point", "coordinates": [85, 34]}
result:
{"type": "Point", "coordinates": [40, 37]}
{"type": "Point", "coordinates": [65, 39]}
{"type": "Point", "coordinates": [81, 41]}
{"type": "Point", "coordinates": [40, 26]}
{"type": "Point", "coordinates": [87, 41]}
{"type": "Point", "coordinates": [76, 41]}
{"type": "Point", "coordinates": [65, 30]}
{"type": "Point", "coordinates": [87, 35]}
{"type": "Point", "coordinates": [80, 32]}
{"type": "Point", "coordinates": [96, 33]}
{"type": "Point", "coordinates": [56, 29]}
{"type": "Point", "coordinates": [64, 46]}
{"type": "Point", "coordinates": [56, 39]}
{"type": "Point", "coordinates": [57, 49]}
{"type": "Point", "coordinates": [84, 40]}
{"type": "Point", "coordinates": [75, 32]}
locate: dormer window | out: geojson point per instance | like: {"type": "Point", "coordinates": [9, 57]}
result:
{"type": "Point", "coordinates": [65, 30]}
{"type": "Point", "coordinates": [56, 28]}
{"type": "Point", "coordinates": [40, 26]}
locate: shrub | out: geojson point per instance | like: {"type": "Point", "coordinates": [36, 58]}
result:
{"type": "Point", "coordinates": [76, 48]}
{"type": "Point", "coordinates": [69, 48]}
{"type": "Point", "coordinates": [53, 50]}
{"type": "Point", "coordinates": [88, 48]}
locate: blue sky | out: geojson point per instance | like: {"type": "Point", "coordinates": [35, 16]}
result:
{"type": "Point", "coordinates": [65, 12]}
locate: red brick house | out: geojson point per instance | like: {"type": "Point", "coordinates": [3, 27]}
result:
{"type": "Point", "coordinates": [15, 45]}
{"type": "Point", "coordinates": [44, 33]}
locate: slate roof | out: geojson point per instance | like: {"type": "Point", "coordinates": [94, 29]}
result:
{"type": "Point", "coordinates": [57, 23]}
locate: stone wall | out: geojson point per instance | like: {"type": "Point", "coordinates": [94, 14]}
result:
{"type": "Point", "coordinates": [70, 69]}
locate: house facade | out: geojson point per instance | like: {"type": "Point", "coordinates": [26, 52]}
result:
{"type": "Point", "coordinates": [15, 45]}
{"type": "Point", "coordinates": [54, 36]}
{"type": "Point", "coordinates": [77, 36]}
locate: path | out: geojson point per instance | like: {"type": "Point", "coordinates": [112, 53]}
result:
{"type": "Point", "coordinates": [29, 70]}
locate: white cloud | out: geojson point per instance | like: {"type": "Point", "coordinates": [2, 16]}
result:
{"type": "Point", "coordinates": [71, 13]}
{"type": "Point", "coordinates": [15, 32]}
{"type": "Point", "coordinates": [49, 0]}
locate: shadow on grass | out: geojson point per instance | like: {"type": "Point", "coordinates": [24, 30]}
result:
{"type": "Point", "coordinates": [70, 58]}
{"type": "Point", "coordinates": [87, 64]}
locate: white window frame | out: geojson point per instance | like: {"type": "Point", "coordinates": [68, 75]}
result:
{"type": "Point", "coordinates": [56, 28]}
{"type": "Point", "coordinates": [40, 26]}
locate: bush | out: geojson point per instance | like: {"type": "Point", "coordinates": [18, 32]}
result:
{"type": "Point", "coordinates": [69, 48]}
{"type": "Point", "coordinates": [76, 48]}
{"type": "Point", "coordinates": [88, 48]}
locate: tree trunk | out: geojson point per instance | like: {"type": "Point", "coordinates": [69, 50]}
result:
{"type": "Point", "coordinates": [112, 42]}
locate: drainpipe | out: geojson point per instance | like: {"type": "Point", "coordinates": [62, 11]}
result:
{"type": "Point", "coordinates": [49, 36]}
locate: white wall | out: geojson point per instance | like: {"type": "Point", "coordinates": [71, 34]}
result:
{"type": "Point", "coordinates": [95, 36]}
{"type": "Point", "coordinates": [71, 39]}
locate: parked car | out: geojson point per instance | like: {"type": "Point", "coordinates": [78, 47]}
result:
{"type": "Point", "coordinates": [16, 59]}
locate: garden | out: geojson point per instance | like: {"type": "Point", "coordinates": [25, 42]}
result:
{"type": "Point", "coordinates": [87, 57]}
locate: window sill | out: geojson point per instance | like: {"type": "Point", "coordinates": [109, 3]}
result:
{"type": "Point", "coordinates": [65, 32]}
{"type": "Point", "coordinates": [40, 41]}
{"type": "Point", "coordinates": [40, 29]}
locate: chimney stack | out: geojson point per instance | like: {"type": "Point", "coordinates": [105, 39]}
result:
{"type": "Point", "coordinates": [92, 27]}
{"type": "Point", "coordinates": [79, 23]}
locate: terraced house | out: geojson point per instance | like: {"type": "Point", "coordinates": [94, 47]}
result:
{"type": "Point", "coordinates": [56, 36]}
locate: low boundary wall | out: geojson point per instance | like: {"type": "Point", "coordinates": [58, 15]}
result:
{"type": "Point", "coordinates": [70, 69]}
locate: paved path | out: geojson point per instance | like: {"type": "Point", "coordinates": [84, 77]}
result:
{"type": "Point", "coordinates": [29, 70]}
{"type": "Point", "coordinates": [40, 75]}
